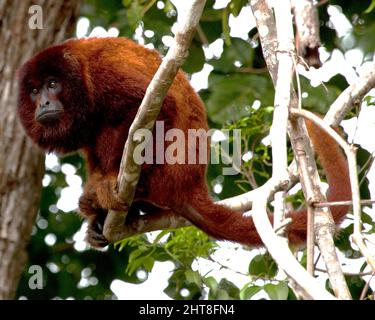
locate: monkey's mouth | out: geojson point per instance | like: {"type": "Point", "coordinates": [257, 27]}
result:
{"type": "Point", "coordinates": [48, 116]}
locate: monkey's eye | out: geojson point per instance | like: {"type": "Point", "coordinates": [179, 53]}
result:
{"type": "Point", "coordinates": [34, 91]}
{"type": "Point", "coordinates": [52, 84]}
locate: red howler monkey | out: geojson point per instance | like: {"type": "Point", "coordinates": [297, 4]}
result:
{"type": "Point", "coordinates": [83, 95]}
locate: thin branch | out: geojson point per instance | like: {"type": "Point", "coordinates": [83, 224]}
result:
{"type": "Point", "coordinates": [310, 241]}
{"type": "Point", "coordinates": [351, 96]}
{"type": "Point", "coordinates": [347, 273]}
{"type": "Point", "coordinates": [262, 13]}
{"type": "Point", "coordinates": [366, 287]}
{"type": "Point", "coordinates": [202, 36]}
{"type": "Point", "coordinates": [340, 203]}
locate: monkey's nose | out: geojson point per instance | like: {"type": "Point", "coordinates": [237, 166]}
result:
{"type": "Point", "coordinates": [44, 104]}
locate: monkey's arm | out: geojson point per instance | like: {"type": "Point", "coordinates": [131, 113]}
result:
{"type": "Point", "coordinates": [100, 193]}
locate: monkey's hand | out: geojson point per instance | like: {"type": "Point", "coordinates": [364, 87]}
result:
{"type": "Point", "coordinates": [107, 196]}
{"type": "Point", "coordinates": [100, 192]}
{"type": "Point", "coordinates": [99, 196]}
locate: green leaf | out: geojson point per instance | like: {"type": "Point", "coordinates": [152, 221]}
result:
{"type": "Point", "coordinates": [135, 254]}
{"type": "Point", "coordinates": [229, 288]}
{"type": "Point", "coordinates": [239, 50]}
{"type": "Point", "coordinates": [193, 277]}
{"type": "Point", "coordinates": [248, 291]}
{"type": "Point", "coordinates": [148, 263]}
{"type": "Point", "coordinates": [222, 295]}
{"type": "Point", "coordinates": [277, 291]}
{"type": "Point", "coordinates": [318, 98]}
{"type": "Point", "coordinates": [371, 7]}
{"type": "Point", "coordinates": [263, 265]}
{"type": "Point", "coordinates": [195, 60]}
{"type": "Point", "coordinates": [236, 6]}
{"type": "Point", "coordinates": [211, 283]}
{"type": "Point", "coordinates": [233, 94]}
{"type": "Point", "coordinates": [126, 3]}
{"type": "Point", "coordinates": [134, 14]}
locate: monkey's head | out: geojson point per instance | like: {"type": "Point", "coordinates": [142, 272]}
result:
{"type": "Point", "coordinates": [54, 102]}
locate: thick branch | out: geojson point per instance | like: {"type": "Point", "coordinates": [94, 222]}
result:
{"type": "Point", "coordinates": [307, 28]}
{"type": "Point", "coordinates": [267, 34]}
{"type": "Point", "coordinates": [323, 222]}
{"type": "Point", "coordinates": [261, 221]}
{"type": "Point", "coordinates": [310, 182]}
{"type": "Point", "coordinates": [280, 117]}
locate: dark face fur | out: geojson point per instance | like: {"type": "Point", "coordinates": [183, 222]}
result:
{"type": "Point", "coordinates": [53, 101]}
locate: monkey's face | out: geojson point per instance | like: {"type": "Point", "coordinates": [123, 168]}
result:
{"type": "Point", "coordinates": [53, 103]}
{"type": "Point", "coordinates": [48, 107]}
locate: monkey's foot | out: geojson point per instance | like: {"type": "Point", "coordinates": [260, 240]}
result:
{"type": "Point", "coordinates": [95, 237]}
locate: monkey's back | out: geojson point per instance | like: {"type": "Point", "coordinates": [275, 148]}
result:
{"type": "Point", "coordinates": [121, 65]}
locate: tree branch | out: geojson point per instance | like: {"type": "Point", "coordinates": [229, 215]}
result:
{"type": "Point", "coordinates": [290, 264]}
{"type": "Point", "coordinates": [307, 27]}
{"type": "Point", "coordinates": [114, 227]}
{"type": "Point", "coordinates": [310, 179]}
{"type": "Point", "coordinates": [350, 152]}
{"type": "Point", "coordinates": [351, 96]}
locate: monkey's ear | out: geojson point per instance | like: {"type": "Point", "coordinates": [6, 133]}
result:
{"type": "Point", "coordinates": [71, 60]}
{"type": "Point", "coordinates": [82, 71]}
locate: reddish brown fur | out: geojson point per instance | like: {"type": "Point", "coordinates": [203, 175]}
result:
{"type": "Point", "coordinates": [104, 81]}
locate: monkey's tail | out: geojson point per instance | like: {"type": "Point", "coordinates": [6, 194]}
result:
{"type": "Point", "coordinates": [226, 224]}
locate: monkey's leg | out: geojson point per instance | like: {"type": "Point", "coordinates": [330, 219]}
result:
{"type": "Point", "coordinates": [95, 217]}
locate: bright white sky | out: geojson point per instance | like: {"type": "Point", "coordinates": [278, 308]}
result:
{"type": "Point", "coordinates": [349, 65]}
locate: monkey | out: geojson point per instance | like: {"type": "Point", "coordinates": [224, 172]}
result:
{"type": "Point", "coordinates": [82, 95]}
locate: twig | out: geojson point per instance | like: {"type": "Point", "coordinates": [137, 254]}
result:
{"type": "Point", "coordinates": [202, 36]}
{"type": "Point", "coordinates": [360, 274]}
{"type": "Point", "coordinates": [310, 241]}
{"type": "Point", "coordinates": [339, 203]}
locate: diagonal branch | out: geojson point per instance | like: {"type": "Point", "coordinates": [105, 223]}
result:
{"type": "Point", "coordinates": [352, 96]}
{"type": "Point", "coordinates": [114, 227]}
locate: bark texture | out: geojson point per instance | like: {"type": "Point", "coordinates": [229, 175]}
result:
{"type": "Point", "coordinates": [21, 163]}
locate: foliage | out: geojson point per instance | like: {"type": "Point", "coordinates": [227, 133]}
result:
{"type": "Point", "coordinates": [239, 96]}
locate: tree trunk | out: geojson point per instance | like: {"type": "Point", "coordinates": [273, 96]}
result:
{"type": "Point", "coordinates": [21, 163]}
